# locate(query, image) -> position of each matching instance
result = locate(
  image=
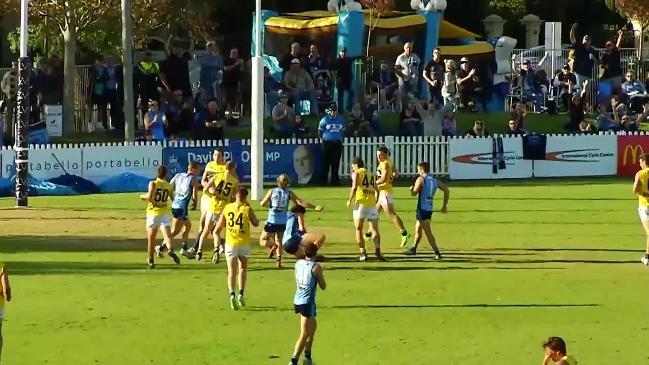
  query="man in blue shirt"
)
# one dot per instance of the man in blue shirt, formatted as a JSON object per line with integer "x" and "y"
{"x": 330, "y": 130}
{"x": 635, "y": 92}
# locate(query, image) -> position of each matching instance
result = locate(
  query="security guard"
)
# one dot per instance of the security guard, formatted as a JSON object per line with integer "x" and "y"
{"x": 330, "y": 130}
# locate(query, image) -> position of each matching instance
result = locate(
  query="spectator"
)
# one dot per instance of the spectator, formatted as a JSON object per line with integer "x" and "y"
{"x": 586, "y": 127}
{"x": 295, "y": 52}
{"x": 155, "y": 122}
{"x": 344, "y": 78}
{"x": 611, "y": 62}
{"x": 283, "y": 118}
{"x": 98, "y": 80}
{"x": 431, "y": 118}
{"x": 174, "y": 72}
{"x": 467, "y": 82}
{"x": 449, "y": 123}
{"x": 271, "y": 88}
{"x": 603, "y": 122}
{"x": 39, "y": 80}
{"x": 54, "y": 94}
{"x": 634, "y": 92}
{"x": 478, "y": 130}
{"x": 585, "y": 57}
{"x": 566, "y": 85}
{"x": 114, "y": 93}
{"x": 624, "y": 118}
{"x": 301, "y": 129}
{"x": 315, "y": 60}
{"x": 9, "y": 86}
{"x": 406, "y": 67}
{"x": 434, "y": 75}
{"x": 410, "y": 120}
{"x": 358, "y": 125}
{"x": 576, "y": 110}
{"x": 245, "y": 86}
{"x": 209, "y": 123}
{"x": 449, "y": 89}
{"x": 147, "y": 80}
{"x": 231, "y": 79}
{"x": 211, "y": 74}
{"x": 330, "y": 130}
{"x": 300, "y": 86}
{"x": 173, "y": 112}
{"x": 513, "y": 129}
{"x": 518, "y": 114}
{"x": 371, "y": 113}
{"x": 386, "y": 82}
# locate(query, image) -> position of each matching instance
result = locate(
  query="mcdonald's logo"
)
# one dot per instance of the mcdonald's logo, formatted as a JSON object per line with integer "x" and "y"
{"x": 636, "y": 151}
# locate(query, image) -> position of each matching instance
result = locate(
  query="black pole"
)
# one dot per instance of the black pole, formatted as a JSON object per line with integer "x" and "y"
{"x": 22, "y": 132}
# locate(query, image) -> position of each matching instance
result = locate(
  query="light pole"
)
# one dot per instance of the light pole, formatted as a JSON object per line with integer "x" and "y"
{"x": 22, "y": 123}
{"x": 257, "y": 112}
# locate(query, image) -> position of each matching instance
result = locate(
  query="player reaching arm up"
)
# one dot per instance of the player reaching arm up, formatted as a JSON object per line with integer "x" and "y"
{"x": 424, "y": 188}
{"x": 641, "y": 188}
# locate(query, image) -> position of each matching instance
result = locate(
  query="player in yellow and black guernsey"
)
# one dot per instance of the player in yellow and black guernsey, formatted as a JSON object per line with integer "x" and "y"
{"x": 158, "y": 214}
{"x": 213, "y": 168}
{"x": 641, "y": 188}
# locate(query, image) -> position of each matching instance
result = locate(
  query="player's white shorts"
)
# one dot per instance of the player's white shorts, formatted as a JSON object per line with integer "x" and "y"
{"x": 385, "y": 198}
{"x": 643, "y": 212}
{"x": 155, "y": 221}
{"x": 210, "y": 216}
{"x": 241, "y": 251}
{"x": 367, "y": 213}
{"x": 206, "y": 204}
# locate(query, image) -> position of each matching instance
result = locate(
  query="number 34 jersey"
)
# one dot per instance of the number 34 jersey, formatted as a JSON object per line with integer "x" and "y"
{"x": 224, "y": 189}
{"x": 159, "y": 202}
{"x": 237, "y": 224}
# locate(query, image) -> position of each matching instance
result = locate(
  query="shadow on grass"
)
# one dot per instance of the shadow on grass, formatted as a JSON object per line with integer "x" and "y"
{"x": 424, "y": 306}
{"x": 25, "y": 244}
{"x": 94, "y": 268}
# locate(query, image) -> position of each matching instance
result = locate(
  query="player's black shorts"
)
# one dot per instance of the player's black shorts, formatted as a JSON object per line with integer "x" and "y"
{"x": 306, "y": 310}
{"x": 274, "y": 228}
{"x": 424, "y": 215}
{"x": 291, "y": 246}
{"x": 180, "y": 213}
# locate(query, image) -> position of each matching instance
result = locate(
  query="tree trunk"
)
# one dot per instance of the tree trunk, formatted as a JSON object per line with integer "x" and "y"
{"x": 70, "y": 75}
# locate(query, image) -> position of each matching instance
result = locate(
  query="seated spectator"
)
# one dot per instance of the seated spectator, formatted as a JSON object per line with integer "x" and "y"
{"x": 467, "y": 83}
{"x": 604, "y": 122}
{"x": 155, "y": 121}
{"x": 371, "y": 112}
{"x": 385, "y": 81}
{"x": 358, "y": 125}
{"x": 478, "y": 130}
{"x": 410, "y": 120}
{"x": 513, "y": 129}
{"x": 272, "y": 88}
{"x": 209, "y": 123}
{"x": 300, "y": 86}
{"x": 565, "y": 84}
{"x": 518, "y": 114}
{"x": 449, "y": 123}
{"x": 577, "y": 113}
{"x": 283, "y": 118}
{"x": 625, "y": 119}
{"x": 296, "y": 52}
{"x": 586, "y": 127}
{"x": 301, "y": 129}
{"x": 315, "y": 60}
{"x": 634, "y": 92}
{"x": 178, "y": 112}
{"x": 531, "y": 90}
{"x": 431, "y": 118}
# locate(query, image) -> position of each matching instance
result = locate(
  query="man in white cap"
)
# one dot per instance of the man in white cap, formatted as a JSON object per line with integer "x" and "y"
{"x": 300, "y": 87}
{"x": 406, "y": 67}
{"x": 467, "y": 83}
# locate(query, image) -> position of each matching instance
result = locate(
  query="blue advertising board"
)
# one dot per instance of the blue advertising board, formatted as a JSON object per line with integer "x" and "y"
{"x": 302, "y": 163}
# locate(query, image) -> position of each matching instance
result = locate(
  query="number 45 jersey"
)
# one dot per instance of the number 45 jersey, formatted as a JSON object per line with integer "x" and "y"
{"x": 224, "y": 189}
{"x": 237, "y": 222}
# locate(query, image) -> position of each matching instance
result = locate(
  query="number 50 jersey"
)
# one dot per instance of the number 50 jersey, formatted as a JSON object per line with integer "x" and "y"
{"x": 159, "y": 201}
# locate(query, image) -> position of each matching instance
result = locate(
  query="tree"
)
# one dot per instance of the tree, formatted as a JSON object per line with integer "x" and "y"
{"x": 638, "y": 12}
{"x": 376, "y": 8}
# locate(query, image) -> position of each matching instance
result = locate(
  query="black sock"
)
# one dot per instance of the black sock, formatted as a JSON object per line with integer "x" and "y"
{"x": 241, "y": 292}
{"x": 185, "y": 246}
{"x": 294, "y": 360}
{"x": 198, "y": 240}
{"x": 307, "y": 354}
{"x": 646, "y": 256}
{"x": 368, "y": 234}
{"x": 404, "y": 233}
{"x": 231, "y": 293}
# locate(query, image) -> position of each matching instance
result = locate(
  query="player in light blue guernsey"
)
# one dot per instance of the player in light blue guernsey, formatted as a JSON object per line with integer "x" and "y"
{"x": 277, "y": 201}
{"x": 295, "y": 240}
{"x": 186, "y": 186}
{"x": 308, "y": 276}
{"x": 425, "y": 187}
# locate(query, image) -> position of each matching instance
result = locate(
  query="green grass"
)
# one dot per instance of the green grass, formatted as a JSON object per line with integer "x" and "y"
{"x": 523, "y": 260}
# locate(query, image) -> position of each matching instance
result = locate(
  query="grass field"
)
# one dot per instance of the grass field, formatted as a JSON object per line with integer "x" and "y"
{"x": 523, "y": 261}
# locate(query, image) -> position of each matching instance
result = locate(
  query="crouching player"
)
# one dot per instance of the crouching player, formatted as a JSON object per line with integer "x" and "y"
{"x": 236, "y": 218}
{"x": 308, "y": 276}
{"x": 425, "y": 187}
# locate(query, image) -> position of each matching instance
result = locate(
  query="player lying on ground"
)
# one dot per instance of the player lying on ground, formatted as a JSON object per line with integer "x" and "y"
{"x": 158, "y": 214}
{"x": 236, "y": 219}
{"x": 308, "y": 275}
{"x": 362, "y": 199}
{"x": 425, "y": 187}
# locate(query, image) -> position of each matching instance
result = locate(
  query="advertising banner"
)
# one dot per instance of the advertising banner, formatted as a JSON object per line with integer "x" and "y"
{"x": 302, "y": 163}
{"x": 46, "y": 163}
{"x": 629, "y": 149}
{"x": 102, "y": 162}
{"x": 473, "y": 158}
{"x": 578, "y": 155}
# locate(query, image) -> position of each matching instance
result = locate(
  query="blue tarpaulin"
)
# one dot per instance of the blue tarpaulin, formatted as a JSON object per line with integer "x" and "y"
{"x": 36, "y": 187}
{"x": 125, "y": 183}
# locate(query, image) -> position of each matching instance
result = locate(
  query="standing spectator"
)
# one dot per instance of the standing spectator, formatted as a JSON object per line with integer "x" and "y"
{"x": 449, "y": 89}
{"x": 271, "y": 88}
{"x": 211, "y": 71}
{"x": 315, "y": 60}
{"x": 478, "y": 130}
{"x": 245, "y": 86}
{"x": 634, "y": 92}
{"x": 431, "y": 118}
{"x": 155, "y": 122}
{"x": 585, "y": 57}
{"x": 39, "y": 80}
{"x": 385, "y": 81}
{"x": 114, "y": 97}
{"x": 611, "y": 63}
{"x": 466, "y": 84}
{"x": 300, "y": 86}
{"x": 9, "y": 86}
{"x": 98, "y": 80}
{"x": 283, "y": 118}
{"x": 330, "y": 130}
{"x": 577, "y": 113}
{"x": 56, "y": 77}
{"x": 295, "y": 52}
{"x": 566, "y": 84}
{"x": 410, "y": 120}
{"x": 174, "y": 72}
{"x": 406, "y": 67}
{"x": 434, "y": 76}
{"x": 513, "y": 129}
{"x": 449, "y": 123}
{"x": 209, "y": 123}
{"x": 344, "y": 78}
{"x": 231, "y": 79}
{"x": 147, "y": 80}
